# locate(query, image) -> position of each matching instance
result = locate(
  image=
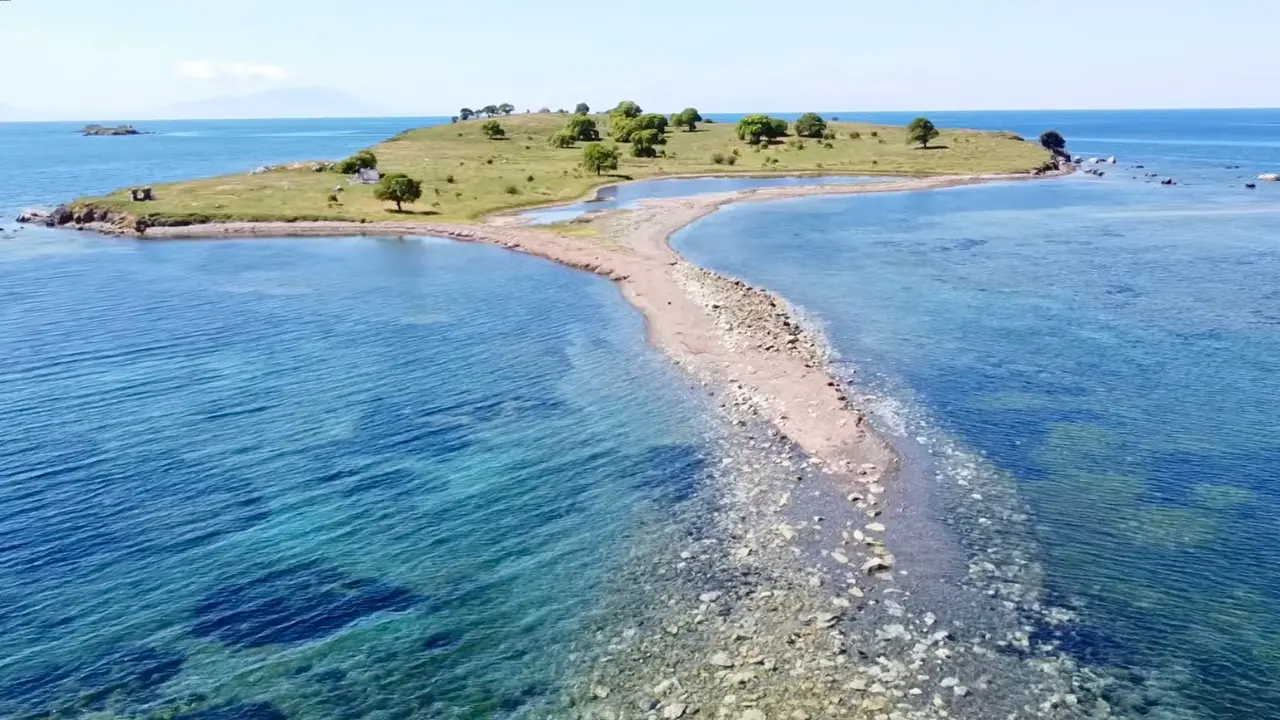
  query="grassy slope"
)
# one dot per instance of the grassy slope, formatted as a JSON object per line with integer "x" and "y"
{"x": 484, "y": 170}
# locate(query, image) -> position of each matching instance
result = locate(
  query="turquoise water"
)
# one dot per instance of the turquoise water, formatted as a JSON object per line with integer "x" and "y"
{"x": 382, "y": 478}
{"x": 1110, "y": 346}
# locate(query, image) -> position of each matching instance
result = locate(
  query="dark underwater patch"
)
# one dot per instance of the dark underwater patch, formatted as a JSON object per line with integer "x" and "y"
{"x": 128, "y": 675}
{"x": 675, "y": 467}
{"x": 294, "y": 604}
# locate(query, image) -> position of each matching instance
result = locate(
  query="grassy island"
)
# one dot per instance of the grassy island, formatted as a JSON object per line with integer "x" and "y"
{"x": 470, "y": 168}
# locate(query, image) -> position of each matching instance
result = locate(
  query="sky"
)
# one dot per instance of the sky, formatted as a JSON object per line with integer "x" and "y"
{"x": 95, "y": 59}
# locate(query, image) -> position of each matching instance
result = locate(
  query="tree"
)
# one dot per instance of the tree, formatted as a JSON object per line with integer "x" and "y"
{"x": 644, "y": 143}
{"x": 811, "y": 125}
{"x": 398, "y": 188}
{"x": 622, "y": 128}
{"x": 490, "y": 110}
{"x": 1053, "y": 141}
{"x": 652, "y": 121}
{"x": 921, "y": 130}
{"x": 687, "y": 119}
{"x": 598, "y": 158}
{"x": 563, "y": 139}
{"x": 492, "y": 130}
{"x": 626, "y": 109}
{"x": 545, "y": 110}
{"x": 582, "y": 109}
{"x": 754, "y": 128}
{"x": 362, "y": 160}
{"x": 466, "y": 113}
{"x": 582, "y": 127}
{"x": 506, "y": 108}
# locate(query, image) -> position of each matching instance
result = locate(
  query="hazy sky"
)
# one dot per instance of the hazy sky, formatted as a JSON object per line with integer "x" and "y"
{"x": 97, "y": 58}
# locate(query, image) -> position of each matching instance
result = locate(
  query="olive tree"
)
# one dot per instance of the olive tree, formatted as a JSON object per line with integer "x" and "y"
{"x": 506, "y": 108}
{"x": 466, "y": 113}
{"x": 582, "y": 109}
{"x": 627, "y": 109}
{"x": 362, "y": 160}
{"x": 644, "y": 143}
{"x": 687, "y": 119}
{"x": 582, "y": 127}
{"x": 597, "y": 158}
{"x": 921, "y": 131}
{"x": 755, "y": 128}
{"x": 398, "y": 188}
{"x": 811, "y": 125}
{"x": 1053, "y": 141}
{"x": 563, "y": 139}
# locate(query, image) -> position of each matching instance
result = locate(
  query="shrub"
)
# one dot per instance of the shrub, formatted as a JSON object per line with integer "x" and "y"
{"x": 811, "y": 125}
{"x": 492, "y": 129}
{"x": 687, "y": 119}
{"x": 398, "y": 188}
{"x": 855, "y": 135}
{"x": 581, "y": 127}
{"x": 449, "y": 179}
{"x": 363, "y": 160}
{"x": 829, "y": 135}
{"x": 598, "y": 158}
{"x": 1053, "y": 141}
{"x": 717, "y": 158}
{"x": 644, "y": 143}
{"x": 731, "y": 160}
{"x": 511, "y": 190}
{"x": 754, "y": 128}
{"x": 563, "y": 139}
{"x": 529, "y": 179}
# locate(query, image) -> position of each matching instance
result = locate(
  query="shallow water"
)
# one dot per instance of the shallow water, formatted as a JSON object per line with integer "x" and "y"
{"x": 1109, "y": 345}
{"x": 308, "y": 478}
{"x": 626, "y": 195}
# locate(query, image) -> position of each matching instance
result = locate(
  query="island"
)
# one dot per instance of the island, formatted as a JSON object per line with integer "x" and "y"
{"x": 104, "y": 131}
{"x": 470, "y": 169}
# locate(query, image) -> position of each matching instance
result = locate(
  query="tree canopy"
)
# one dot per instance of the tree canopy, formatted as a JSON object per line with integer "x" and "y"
{"x": 597, "y": 158}
{"x": 489, "y": 110}
{"x": 563, "y": 139}
{"x": 627, "y": 109}
{"x": 492, "y": 129}
{"x": 687, "y": 119}
{"x": 921, "y": 131}
{"x": 754, "y": 128}
{"x": 1053, "y": 141}
{"x": 582, "y": 109}
{"x": 506, "y": 108}
{"x": 466, "y": 113}
{"x": 644, "y": 143}
{"x": 582, "y": 127}
{"x": 398, "y": 188}
{"x": 811, "y": 125}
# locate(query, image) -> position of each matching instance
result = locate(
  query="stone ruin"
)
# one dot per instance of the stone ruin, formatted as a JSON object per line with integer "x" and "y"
{"x": 142, "y": 194}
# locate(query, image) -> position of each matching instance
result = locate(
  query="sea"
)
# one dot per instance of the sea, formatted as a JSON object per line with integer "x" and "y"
{"x": 391, "y": 478}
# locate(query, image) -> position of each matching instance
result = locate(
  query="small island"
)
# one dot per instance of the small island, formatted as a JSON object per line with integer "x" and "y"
{"x": 489, "y": 161}
{"x": 104, "y": 131}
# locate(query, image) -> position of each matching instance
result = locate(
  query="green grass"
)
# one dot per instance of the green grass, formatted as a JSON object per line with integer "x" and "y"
{"x": 494, "y": 175}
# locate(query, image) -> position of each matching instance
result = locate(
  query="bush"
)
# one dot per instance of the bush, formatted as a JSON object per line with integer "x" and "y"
{"x": 755, "y": 128}
{"x": 511, "y": 190}
{"x": 811, "y": 125}
{"x": 563, "y": 139}
{"x": 581, "y": 127}
{"x": 529, "y": 179}
{"x": 652, "y": 121}
{"x": 731, "y": 160}
{"x": 398, "y": 188}
{"x": 687, "y": 119}
{"x": 449, "y": 179}
{"x": 828, "y": 145}
{"x": 598, "y": 158}
{"x": 492, "y": 130}
{"x": 829, "y": 135}
{"x": 363, "y": 160}
{"x": 718, "y": 158}
{"x": 855, "y": 135}
{"x": 644, "y": 143}
{"x": 875, "y": 133}
{"x": 626, "y": 109}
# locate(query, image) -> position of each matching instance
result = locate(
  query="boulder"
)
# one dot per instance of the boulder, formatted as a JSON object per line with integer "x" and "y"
{"x": 1270, "y": 177}
{"x": 1167, "y": 181}
{"x": 1111, "y": 160}
{"x": 33, "y": 215}
{"x": 61, "y": 215}
{"x": 1251, "y": 186}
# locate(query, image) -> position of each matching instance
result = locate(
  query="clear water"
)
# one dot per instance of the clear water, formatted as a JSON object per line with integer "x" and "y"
{"x": 1110, "y": 344}
{"x": 626, "y": 195}
{"x": 306, "y": 478}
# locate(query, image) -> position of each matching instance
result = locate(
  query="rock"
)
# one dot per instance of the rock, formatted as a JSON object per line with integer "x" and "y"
{"x": 646, "y": 704}
{"x": 1111, "y": 160}
{"x": 752, "y": 714}
{"x": 1269, "y": 177}
{"x": 949, "y": 682}
{"x": 260, "y": 170}
{"x": 722, "y": 659}
{"x": 840, "y": 557}
{"x": 876, "y": 527}
{"x": 32, "y": 215}
{"x": 60, "y": 215}
{"x": 674, "y": 711}
{"x": 877, "y": 564}
{"x": 1167, "y": 181}
{"x": 1251, "y": 186}
{"x": 600, "y": 691}
{"x": 960, "y": 690}
{"x": 101, "y": 131}
{"x": 709, "y": 597}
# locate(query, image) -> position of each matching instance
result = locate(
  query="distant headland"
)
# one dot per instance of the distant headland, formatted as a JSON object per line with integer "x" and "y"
{"x": 105, "y": 131}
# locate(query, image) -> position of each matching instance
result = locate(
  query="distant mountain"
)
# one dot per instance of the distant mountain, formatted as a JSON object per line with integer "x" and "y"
{"x": 299, "y": 102}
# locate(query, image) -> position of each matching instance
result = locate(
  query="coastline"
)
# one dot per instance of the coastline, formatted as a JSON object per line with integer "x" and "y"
{"x": 771, "y": 378}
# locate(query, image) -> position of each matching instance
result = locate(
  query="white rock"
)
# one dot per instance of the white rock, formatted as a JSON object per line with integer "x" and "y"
{"x": 709, "y": 597}
{"x": 722, "y": 659}
{"x": 674, "y": 711}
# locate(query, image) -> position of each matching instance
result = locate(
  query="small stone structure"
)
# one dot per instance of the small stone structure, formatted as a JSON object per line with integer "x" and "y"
{"x": 142, "y": 194}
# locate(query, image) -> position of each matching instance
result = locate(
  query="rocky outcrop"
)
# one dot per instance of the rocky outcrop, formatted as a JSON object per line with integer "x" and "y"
{"x": 103, "y": 131}
{"x": 1270, "y": 177}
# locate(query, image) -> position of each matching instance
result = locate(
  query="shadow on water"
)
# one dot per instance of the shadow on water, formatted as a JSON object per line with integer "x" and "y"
{"x": 127, "y": 676}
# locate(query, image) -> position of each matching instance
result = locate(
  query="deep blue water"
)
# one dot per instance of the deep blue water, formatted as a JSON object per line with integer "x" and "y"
{"x": 1111, "y": 345}
{"x": 308, "y": 479}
